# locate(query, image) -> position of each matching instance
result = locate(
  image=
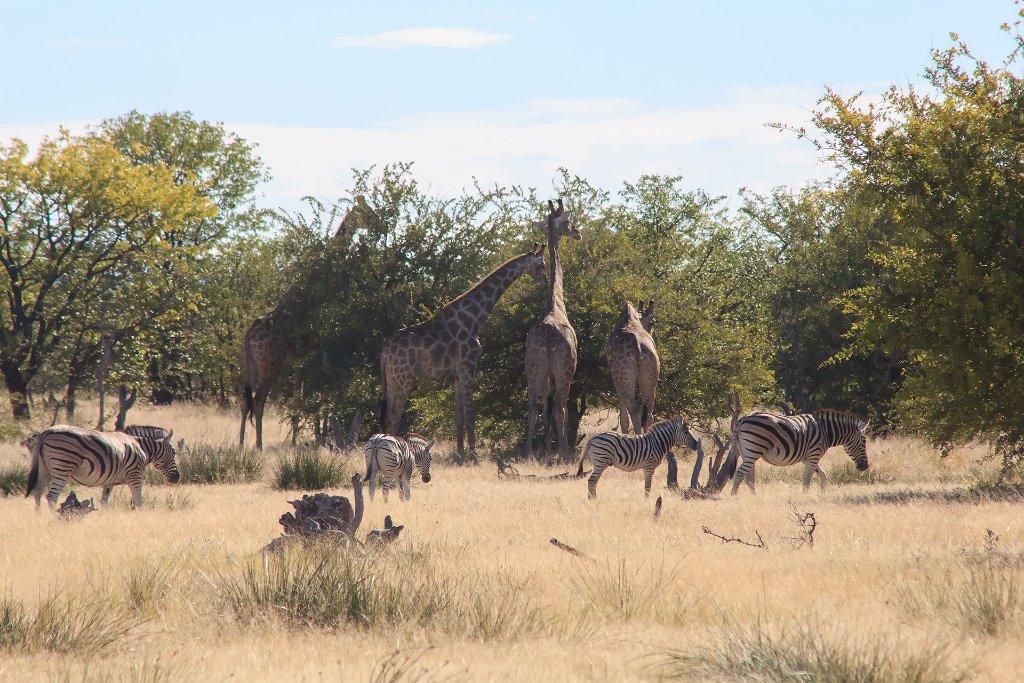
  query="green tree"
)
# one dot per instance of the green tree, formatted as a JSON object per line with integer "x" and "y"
{"x": 945, "y": 168}
{"x": 71, "y": 217}
{"x": 818, "y": 243}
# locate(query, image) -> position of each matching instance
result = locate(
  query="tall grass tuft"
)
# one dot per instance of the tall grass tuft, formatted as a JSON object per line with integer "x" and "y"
{"x": 624, "y": 591}
{"x": 13, "y": 480}
{"x": 983, "y": 599}
{"x": 328, "y": 587}
{"x": 205, "y": 463}
{"x": 63, "y": 624}
{"x": 310, "y": 469}
{"x": 848, "y": 473}
{"x": 807, "y": 652}
{"x": 404, "y": 666}
{"x": 146, "y": 583}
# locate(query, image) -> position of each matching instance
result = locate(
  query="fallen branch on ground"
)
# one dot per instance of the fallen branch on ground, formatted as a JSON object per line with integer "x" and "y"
{"x": 569, "y": 549}
{"x": 732, "y": 539}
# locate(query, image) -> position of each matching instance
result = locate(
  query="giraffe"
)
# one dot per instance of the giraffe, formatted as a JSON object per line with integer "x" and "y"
{"x": 273, "y": 340}
{"x": 446, "y": 346}
{"x": 551, "y": 342}
{"x": 633, "y": 360}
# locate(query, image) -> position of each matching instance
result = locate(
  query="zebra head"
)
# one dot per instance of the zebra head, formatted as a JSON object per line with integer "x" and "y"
{"x": 420, "y": 448}
{"x": 157, "y": 443}
{"x": 856, "y": 445}
{"x": 682, "y": 436}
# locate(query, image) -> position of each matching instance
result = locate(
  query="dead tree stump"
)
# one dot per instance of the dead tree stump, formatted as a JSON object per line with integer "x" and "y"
{"x": 72, "y": 508}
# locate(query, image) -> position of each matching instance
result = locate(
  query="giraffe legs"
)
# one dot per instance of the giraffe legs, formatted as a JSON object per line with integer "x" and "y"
{"x": 259, "y": 403}
{"x": 398, "y": 394}
{"x": 531, "y": 422}
{"x": 466, "y": 383}
{"x": 561, "y": 398}
{"x": 460, "y": 417}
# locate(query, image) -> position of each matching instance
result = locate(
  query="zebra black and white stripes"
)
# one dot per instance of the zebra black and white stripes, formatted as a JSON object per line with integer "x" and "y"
{"x": 393, "y": 458}
{"x": 106, "y": 459}
{"x": 783, "y": 440}
{"x": 631, "y": 452}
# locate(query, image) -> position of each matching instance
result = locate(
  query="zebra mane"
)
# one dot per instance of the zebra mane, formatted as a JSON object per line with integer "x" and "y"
{"x": 842, "y": 415}
{"x": 414, "y": 438}
{"x": 149, "y": 432}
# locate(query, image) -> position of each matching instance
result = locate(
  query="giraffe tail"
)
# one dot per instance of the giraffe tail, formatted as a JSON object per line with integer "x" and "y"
{"x": 250, "y": 404}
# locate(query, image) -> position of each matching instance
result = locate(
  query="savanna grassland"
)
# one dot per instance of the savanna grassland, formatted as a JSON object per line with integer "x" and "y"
{"x": 916, "y": 573}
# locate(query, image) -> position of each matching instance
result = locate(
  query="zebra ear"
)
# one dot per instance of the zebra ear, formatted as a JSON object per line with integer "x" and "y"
{"x": 170, "y": 433}
{"x": 864, "y": 426}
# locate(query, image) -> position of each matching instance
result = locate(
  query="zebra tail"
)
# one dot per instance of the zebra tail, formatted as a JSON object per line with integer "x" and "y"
{"x": 645, "y": 414}
{"x": 371, "y": 469}
{"x": 729, "y": 466}
{"x": 583, "y": 459}
{"x": 33, "y": 474}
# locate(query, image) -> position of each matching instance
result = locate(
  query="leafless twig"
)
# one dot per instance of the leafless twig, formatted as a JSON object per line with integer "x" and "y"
{"x": 807, "y": 523}
{"x": 760, "y": 541}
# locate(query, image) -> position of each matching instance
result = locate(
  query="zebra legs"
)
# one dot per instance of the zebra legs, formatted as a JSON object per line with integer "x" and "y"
{"x": 592, "y": 482}
{"x": 811, "y": 467}
{"x": 648, "y": 476}
{"x": 105, "y": 500}
{"x": 404, "y": 489}
{"x": 745, "y": 473}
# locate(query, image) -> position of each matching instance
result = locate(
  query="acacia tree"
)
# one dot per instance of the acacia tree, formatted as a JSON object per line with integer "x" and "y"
{"x": 946, "y": 170}
{"x": 69, "y": 217}
{"x": 173, "y": 342}
{"x": 817, "y": 242}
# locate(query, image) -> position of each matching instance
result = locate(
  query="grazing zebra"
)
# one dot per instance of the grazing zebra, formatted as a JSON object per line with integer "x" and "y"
{"x": 393, "y": 457}
{"x": 631, "y": 452}
{"x": 782, "y": 440}
{"x": 102, "y": 459}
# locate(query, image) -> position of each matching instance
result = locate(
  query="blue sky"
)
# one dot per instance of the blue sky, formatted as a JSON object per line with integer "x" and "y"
{"x": 505, "y": 92}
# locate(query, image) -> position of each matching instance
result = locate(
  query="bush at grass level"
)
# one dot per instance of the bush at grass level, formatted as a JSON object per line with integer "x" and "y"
{"x": 219, "y": 464}
{"x": 13, "y": 480}
{"x": 310, "y": 469}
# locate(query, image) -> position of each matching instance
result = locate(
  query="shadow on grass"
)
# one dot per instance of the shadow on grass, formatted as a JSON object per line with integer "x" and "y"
{"x": 973, "y": 495}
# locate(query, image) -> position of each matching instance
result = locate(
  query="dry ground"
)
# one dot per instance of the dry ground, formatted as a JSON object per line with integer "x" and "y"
{"x": 900, "y": 576}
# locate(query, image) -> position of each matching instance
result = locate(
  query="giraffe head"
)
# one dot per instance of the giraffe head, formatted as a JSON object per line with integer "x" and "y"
{"x": 534, "y": 264}
{"x": 559, "y": 222}
{"x": 647, "y": 318}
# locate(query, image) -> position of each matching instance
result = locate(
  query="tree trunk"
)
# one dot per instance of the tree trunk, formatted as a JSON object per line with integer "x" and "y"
{"x": 101, "y": 378}
{"x": 69, "y": 399}
{"x": 17, "y": 390}
{"x": 125, "y": 401}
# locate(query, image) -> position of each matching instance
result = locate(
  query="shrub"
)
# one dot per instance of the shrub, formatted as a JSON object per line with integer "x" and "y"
{"x": 310, "y": 469}
{"x": 807, "y": 652}
{"x": 13, "y": 480}
{"x": 220, "y": 464}
{"x": 62, "y": 624}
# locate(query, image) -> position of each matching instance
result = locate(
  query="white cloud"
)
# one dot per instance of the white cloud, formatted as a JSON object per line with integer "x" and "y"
{"x": 719, "y": 148}
{"x": 459, "y": 38}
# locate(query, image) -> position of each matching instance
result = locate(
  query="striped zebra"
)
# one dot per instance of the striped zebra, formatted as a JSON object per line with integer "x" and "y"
{"x": 631, "y": 452}
{"x": 393, "y": 458}
{"x": 102, "y": 459}
{"x": 782, "y": 440}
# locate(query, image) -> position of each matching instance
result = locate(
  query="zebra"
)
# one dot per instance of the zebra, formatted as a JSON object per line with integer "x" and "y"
{"x": 393, "y": 457}
{"x": 102, "y": 459}
{"x": 782, "y": 440}
{"x": 631, "y": 452}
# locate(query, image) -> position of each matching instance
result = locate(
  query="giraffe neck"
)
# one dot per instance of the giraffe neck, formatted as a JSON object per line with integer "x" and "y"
{"x": 556, "y": 294}
{"x": 472, "y": 308}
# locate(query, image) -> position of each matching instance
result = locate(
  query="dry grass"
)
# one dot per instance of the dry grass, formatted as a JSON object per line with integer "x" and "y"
{"x": 900, "y": 584}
